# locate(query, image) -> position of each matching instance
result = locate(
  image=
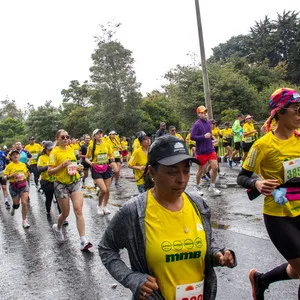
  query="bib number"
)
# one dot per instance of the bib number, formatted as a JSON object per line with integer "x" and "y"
{"x": 291, "y": 169}
{"x": 72, "y": 168}
{"x": 249, "y": 139}
{"x": 102, "y": 159}
{"x": 190, "y": 291}
{"x": 116, "y": 153}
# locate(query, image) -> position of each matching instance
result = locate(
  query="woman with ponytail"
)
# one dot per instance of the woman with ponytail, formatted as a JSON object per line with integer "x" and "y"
{"x": 275, "y": 157}
{"x": 98, "y": 156}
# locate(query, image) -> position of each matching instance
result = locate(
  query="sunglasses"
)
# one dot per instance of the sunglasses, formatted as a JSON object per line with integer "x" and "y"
{"x": 295, "y": 109}
{"x": 64, "y": 137}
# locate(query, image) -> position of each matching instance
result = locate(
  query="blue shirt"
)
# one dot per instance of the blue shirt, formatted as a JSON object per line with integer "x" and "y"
{"x": 2, "y": 161}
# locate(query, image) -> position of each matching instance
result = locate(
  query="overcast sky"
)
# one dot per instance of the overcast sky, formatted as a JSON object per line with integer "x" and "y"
{"x": 46, "y": 44}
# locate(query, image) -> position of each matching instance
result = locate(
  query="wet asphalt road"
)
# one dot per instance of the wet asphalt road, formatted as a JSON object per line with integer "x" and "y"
{"x": 34, "y": 266}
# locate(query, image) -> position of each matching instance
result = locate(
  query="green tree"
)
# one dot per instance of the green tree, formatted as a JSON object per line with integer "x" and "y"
{"x": 9, "y": 109}
{"x": 113, "y": 77}
{"x": 43, "y": 122}
{"x": 11, "y": 128}
{"x": 77, "y": 93}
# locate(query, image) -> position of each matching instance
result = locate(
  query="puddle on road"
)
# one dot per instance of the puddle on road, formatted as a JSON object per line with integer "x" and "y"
{"x": 219, "y": 226}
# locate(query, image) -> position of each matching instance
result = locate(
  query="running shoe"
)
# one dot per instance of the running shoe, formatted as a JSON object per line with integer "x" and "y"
{"x": 214, "y": 191}
{"x": 58, "y": 234}
{"x": 7, "y": 205}
{"x": 85, "y": 245}
{"x": 100, "y": 211}
{"x": 229, "y": 163}
{"x": 222, "y": 174}
{"x": 205, "y": 179}
{"x": 258, "y": 287}
{"x": 197, "y": 188}
{"x": 106, "y": 211}
{"x": 25, "y": 224}
{"x": 66, "y": 223}
{"x": 117, "y": 185}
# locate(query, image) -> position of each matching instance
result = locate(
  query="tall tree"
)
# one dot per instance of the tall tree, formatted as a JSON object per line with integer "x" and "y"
{"x": 113, "y": 75}
{"x": 9, "y": 109}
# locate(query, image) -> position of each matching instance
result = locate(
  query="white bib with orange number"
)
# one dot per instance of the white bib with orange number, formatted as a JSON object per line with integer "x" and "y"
{"x": 190, "y": 291}
{"x": 291, "y": 169}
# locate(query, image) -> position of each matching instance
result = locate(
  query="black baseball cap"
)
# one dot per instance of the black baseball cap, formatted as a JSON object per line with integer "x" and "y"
{"x": 141, "y": 135}
{"x": 14, "y": 151}
{"x": 169, "y": 150}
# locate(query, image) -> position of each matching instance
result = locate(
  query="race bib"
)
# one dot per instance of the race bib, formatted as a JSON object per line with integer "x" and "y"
{"x": 102, "y": 159}
{"x": 72, "y": 168}
{"x": 190, "y": 291}
{"x": 76, "y": 152}
{"x": 19, "y": 177}
{"x": 34, "y": 156}
{"x": 248, "y": 139}
{"x": 116, "y": 153}
{"x": 291, "y": 169}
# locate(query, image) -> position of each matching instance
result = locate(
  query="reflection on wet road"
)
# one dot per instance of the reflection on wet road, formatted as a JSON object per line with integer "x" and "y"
{"x": 34, "y": 266}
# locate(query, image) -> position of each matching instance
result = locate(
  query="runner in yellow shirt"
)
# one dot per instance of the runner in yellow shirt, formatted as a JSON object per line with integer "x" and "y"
{"x": 138, "y": 160}
{"x": 75, "y": 146}
{"x": 249, "y": 136}
{"x": 124, "y": 152}
{"x": 47, "y": 181}
{"x": 16, "y": 172}
{"x": 114, "y": 141}
{"x": 191, "y": 144}
{"x": 98, "y": 156}
{"x": 172, "y": 131}
{"x": 67, "y": 185}
{"x": 227, "y": 142}
{"x": 34, "y": 149}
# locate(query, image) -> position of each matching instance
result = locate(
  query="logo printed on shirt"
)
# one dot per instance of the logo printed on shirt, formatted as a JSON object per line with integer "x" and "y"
{"x": 199, "y": 227}
{"x": 252, "y": 157}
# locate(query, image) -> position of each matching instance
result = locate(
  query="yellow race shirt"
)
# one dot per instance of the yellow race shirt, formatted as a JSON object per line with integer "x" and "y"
{"x": 189, "y": 141}
{"x": 102, "y": 153}
{"x": 19, "y": 168}
{"x": 68, "y": 174}
{"x": 115, "y": 145}
{"x": 266, "y": 158}
{"x": 227, "y": 134}
{"x": 76, "y": 148}
{"x": 247, "y": 127}
{"x": 136, "y": 144}
{"x": 124, "y": 145}
{"x": 42, "y": 162}
{"x": 175, "y": 245}
{"x": 138, "y": 158}
{"x": 216, "y": 132}
{"x": 34, "y": 150}
{"x": 179, "y": 136}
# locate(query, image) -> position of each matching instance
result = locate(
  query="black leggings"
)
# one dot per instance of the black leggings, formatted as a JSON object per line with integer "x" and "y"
{"x": 284, "y": 232}
{"x": 48, "y": 189}
{"x": 36, "y": 175}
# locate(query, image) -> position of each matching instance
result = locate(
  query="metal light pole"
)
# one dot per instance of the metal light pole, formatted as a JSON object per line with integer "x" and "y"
{"x": 203, "y": 63}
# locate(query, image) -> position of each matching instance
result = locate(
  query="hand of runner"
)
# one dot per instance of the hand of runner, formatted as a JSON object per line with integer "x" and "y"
{"x": 266, "y": 187}
{"x": 148, "y": 287}
{"x": 207, "y": 135}
{"x": 66, "y": 163}
{"x": 226, "y": 259}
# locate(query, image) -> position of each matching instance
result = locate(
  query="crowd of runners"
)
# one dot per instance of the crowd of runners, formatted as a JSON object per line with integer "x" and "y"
{"x": 60, "y": 167}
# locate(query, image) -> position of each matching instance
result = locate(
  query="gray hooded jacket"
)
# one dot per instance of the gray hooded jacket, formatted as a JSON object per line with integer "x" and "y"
{"x": 127, "y": 230}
